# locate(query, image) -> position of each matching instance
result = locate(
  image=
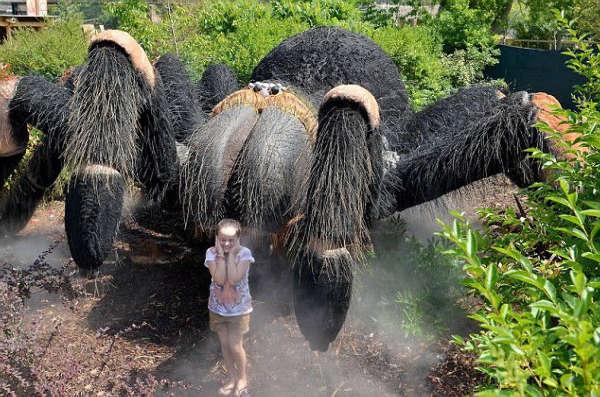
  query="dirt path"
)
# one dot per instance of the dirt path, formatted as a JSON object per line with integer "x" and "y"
{"x": 145, "y": 313}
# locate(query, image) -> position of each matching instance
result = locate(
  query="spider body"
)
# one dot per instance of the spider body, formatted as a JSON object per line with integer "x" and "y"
{"x": 317, "y": 149}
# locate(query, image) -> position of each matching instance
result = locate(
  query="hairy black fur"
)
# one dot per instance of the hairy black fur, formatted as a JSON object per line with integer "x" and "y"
{"x": 321, "y": 58}
{"x": 104, "y": 112}
{"x": 269, "y": 170}
{"x": 41, "y": 104}
{"x": 44, "y": 106}
{"x": 8, "y": 166}
{"x": 216, "y": 83}
{"x": 92, "y": 212}
{"x": 157, "y": 163}
{"x": 183, "y": 105}
{"x": 19, "y": 201}
{"x": 322, "y": 299}
{"x": 213, "y": 149}
{"x": 342, "y": 182}
{"x": 467, "y": 137}
{"x": 341, "y": 190}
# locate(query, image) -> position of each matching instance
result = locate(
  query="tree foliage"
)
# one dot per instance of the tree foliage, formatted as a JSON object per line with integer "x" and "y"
{"x": 433, "y": 59}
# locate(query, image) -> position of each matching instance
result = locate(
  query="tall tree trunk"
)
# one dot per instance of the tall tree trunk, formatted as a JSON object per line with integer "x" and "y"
{"x": 501, "y": 18}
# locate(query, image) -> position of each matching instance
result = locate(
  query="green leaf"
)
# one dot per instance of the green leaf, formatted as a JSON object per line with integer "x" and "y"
{"x": 471, "y": 244}
{"x": 592, "y": 256}
{"x": 593, "y": 204}
{"x": 595, "y": 231}
{"x": 491, "y": 276}
{"x": 597, "y": 336}
{"x": 516, "y": 255}
{"x": 545, "y": 364}
{"x": 570, "y": 218}
{"x": 578, "y": 279}
{"x": 528, "y": 278}
{"x": 594, "y": 283}
{"x": 517, "y": 349}
{"x": 559, "y": 200}
{"x": 573, "y": 232}
{"x": 564, "y": 185}
{"x": 459, "y": 340}
{"x": 546, "y": 306}
{"x": 594, "y": 213}
{"x": 550, "y": 290}
{"x": 566, "y": 381}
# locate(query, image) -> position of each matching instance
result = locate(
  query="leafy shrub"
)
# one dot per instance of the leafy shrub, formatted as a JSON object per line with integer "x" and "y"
{"x": 47, "y": 52}
{"x": 400, "y": 289}
{"x": 539, "y": 272}
{"x": 461, "y": 26}
{"x": 419, "y": 58}
{"x": 241, "y": 32}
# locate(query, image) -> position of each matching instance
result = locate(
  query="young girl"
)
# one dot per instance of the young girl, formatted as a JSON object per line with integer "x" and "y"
{"x": 230, "y": 302}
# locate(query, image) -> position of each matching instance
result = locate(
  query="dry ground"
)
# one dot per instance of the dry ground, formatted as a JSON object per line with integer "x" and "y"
{"x": 145, "y": 313}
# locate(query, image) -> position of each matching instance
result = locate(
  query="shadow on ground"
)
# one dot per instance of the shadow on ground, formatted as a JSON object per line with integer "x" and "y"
{"x": 149, "y": 301}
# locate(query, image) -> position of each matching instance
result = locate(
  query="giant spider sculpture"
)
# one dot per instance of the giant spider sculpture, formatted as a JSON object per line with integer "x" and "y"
{"x": 321, "y": 146}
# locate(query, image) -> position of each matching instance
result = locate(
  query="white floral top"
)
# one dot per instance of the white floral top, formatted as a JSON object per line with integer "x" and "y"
{"x": 243, "y": 305}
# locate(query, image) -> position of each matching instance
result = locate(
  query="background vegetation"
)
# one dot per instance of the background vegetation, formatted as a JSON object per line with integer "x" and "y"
{"x": 538, "y": 271}
{"x": 435, "y": 57}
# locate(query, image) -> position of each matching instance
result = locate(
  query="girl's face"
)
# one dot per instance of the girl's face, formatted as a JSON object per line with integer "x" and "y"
{"x": 228, "y": 239}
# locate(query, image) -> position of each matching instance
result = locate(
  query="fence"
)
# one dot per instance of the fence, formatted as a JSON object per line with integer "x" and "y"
{"x": 536, "y": 70}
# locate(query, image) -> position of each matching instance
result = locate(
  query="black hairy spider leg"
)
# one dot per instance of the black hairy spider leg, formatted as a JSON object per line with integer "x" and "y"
{"x": 333, "y": 232}
{"x": 119, "y": 131}
{"x": 42, "y": 105}
{"x": 179, "y": 94}
{"x": 470, "y": 136}
{"x": 92, "y": 213}
{"x": 217, "y": 82}
{"x": 157, "y": 166}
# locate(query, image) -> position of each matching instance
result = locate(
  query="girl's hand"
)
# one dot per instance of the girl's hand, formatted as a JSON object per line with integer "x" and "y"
{"x": 218, "y": 247}
{"x": 235, "y": 249}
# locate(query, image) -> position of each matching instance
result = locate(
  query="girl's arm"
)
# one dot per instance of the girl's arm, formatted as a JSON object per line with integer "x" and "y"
{"x": 218, "y": 266}
{"x": 217, "y": 270}
{"x": 236, "y": 270}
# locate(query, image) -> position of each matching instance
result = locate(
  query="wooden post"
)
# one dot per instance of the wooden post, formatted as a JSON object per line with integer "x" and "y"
{"x": 37, "y": 7}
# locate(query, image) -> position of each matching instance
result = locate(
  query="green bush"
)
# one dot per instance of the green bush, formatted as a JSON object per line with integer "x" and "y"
{"x": 539, "y": 271}
{"x": 419, "y": 58}
{"x": 240, "y": 33}
{"x": 400, "y": 290}
{"x": 47, "y": 52}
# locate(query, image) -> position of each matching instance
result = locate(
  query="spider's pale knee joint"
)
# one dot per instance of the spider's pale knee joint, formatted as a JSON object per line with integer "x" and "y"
{"x": 360, "y": 96}
{"x": 132, "y": 48}
{"x": 98, "y": 169}
{"x": 10, "y": 143}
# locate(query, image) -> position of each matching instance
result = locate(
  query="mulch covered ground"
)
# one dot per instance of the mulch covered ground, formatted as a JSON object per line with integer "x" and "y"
{"x": 145, "y": 313}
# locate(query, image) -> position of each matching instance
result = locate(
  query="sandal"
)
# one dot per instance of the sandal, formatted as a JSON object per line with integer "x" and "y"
{"x": 226, "y": 390}
{"x": 243, "y": 392}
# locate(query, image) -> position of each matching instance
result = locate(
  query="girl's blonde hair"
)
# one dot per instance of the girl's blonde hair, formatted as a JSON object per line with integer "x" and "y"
{"x": 227, "y": 222}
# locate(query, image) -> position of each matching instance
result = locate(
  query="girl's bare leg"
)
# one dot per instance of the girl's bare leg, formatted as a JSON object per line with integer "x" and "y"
{"x": 227, "y": 359}
{"x": 236, "y": 345}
